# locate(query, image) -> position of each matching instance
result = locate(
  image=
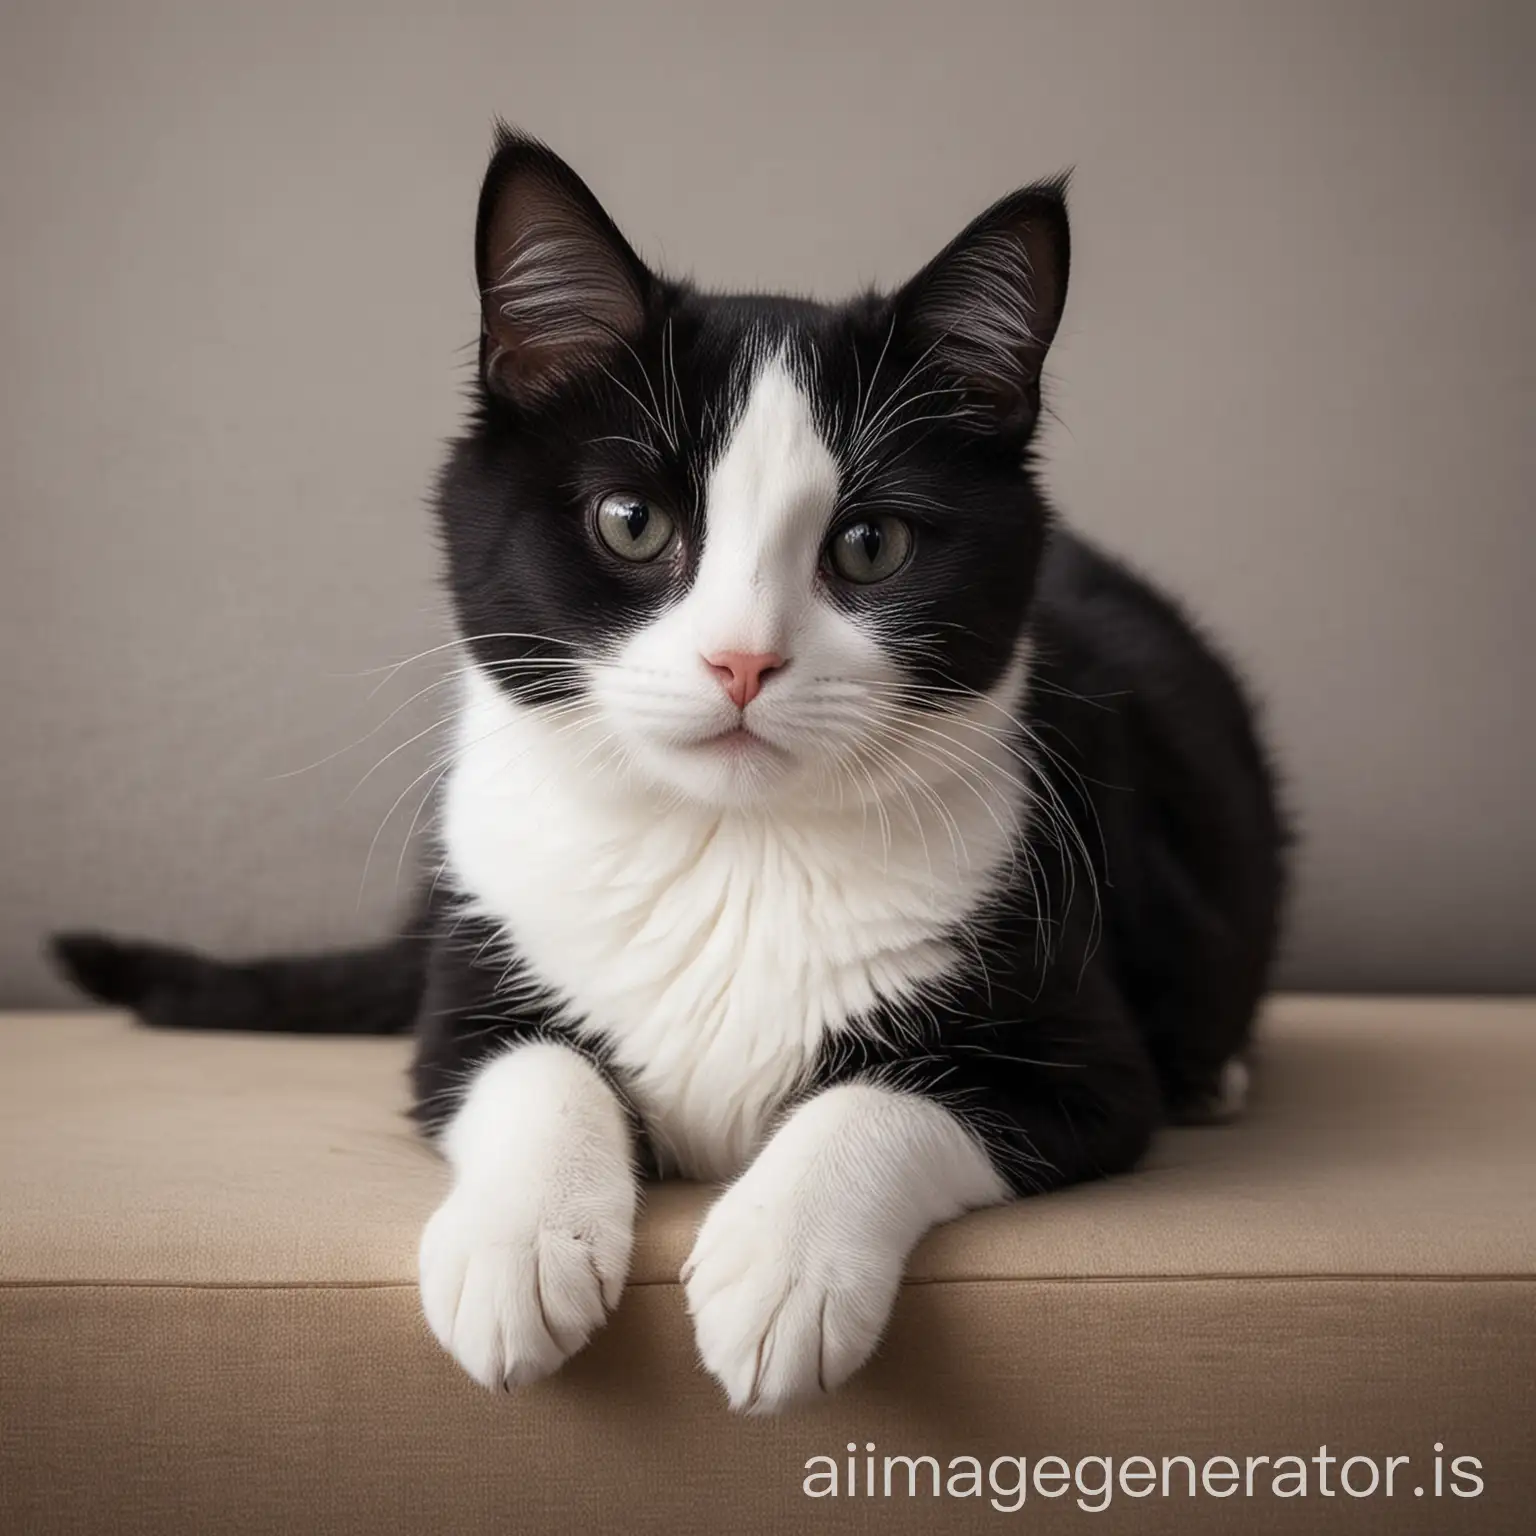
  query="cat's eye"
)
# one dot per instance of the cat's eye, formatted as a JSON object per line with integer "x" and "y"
{"x": 870, "y": 549}
{"x": 633, "y": 528}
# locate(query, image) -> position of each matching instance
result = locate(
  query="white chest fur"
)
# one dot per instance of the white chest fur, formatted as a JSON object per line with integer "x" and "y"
{"x": 712, "y": 951}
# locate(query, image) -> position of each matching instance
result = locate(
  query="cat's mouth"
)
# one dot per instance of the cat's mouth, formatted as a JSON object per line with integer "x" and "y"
{"x": 738, "y": 741}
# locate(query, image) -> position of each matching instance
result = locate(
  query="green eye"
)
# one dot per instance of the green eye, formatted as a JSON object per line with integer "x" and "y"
{"x": 870, "y": 549}
{"x": 632, "y": 528}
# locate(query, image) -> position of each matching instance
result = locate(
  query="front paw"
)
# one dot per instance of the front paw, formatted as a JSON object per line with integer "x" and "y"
{"x": 514, "y": 1283}
{"x": 786, "y": 1305}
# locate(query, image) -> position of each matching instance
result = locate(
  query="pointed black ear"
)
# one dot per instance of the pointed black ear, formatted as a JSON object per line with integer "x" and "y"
{"x": 560, "y": 287}
{"x": 987, "y": 306}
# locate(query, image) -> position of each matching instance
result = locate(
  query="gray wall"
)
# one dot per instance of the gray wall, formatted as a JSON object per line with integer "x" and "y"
{"x": 1295, "y": 382}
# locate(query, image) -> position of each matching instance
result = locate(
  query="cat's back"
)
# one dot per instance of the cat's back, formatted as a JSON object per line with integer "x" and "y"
{"x": 1159, "y": 751}
{"x": 1111, "y": 643}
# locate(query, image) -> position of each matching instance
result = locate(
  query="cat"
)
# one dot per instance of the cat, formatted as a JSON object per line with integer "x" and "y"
{"x": 825, "y": 819}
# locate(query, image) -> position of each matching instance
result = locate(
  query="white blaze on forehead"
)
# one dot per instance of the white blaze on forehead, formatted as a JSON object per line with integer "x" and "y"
{"x": 766, "y": 509}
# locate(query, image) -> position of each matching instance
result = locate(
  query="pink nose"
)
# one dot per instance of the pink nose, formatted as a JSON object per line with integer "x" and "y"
{"x": 741, "y": 673}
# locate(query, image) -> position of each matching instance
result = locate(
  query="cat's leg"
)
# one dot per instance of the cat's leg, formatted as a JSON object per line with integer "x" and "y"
{"x": 793, "y": 1275}
{"x": 529, "y": 1252}
{"x": 795, "y": 1269}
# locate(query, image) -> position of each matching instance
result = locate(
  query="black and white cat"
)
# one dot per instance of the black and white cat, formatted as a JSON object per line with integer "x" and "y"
{"x": 824, "y": 821}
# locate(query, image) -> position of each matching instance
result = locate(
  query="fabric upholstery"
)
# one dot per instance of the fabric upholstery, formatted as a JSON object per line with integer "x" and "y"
{"x": 208, "y": 1319}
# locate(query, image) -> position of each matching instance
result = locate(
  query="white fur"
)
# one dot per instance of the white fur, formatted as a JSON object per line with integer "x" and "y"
{"x": 714, "y": 945}
{"x": 712, "y": 950}
{"x": 768, "y": 502}
{"x": 713, "y": 916}
{"x": 1232, "y": 1093}
{"x": 530, "y": 1250}
{"x": 794, "y": 1272}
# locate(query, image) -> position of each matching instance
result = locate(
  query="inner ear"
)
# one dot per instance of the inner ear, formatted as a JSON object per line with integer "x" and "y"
{"x": 986, "y": 308}
{"x": 560, "y": 287}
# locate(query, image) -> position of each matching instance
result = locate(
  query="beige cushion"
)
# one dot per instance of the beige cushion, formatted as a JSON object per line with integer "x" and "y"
{"x": 208, "y": 1319}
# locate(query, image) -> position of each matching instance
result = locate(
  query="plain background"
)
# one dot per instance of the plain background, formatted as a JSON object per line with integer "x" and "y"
{"x": 1295, "y": 382}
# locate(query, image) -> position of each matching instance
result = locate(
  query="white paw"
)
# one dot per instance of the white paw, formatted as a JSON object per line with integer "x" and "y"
{"x": 1232, "y": 1094}
{"x": 514, "y": 1282}
{"x": 785, "y": 1306}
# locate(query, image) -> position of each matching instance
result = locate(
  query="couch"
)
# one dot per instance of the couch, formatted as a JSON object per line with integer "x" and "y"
{"x": 208, "y": 1318}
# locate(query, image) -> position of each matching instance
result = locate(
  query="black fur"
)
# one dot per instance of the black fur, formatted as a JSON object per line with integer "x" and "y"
{"x": 370, "y": 991}
{"x": 1085, "y": 1020}
{"x": 1069, "y": 1047}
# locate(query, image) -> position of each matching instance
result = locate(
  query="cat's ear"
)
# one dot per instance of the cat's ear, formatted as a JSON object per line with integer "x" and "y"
{"x": 986, "y": 308}
{"x": 560, "y": 287}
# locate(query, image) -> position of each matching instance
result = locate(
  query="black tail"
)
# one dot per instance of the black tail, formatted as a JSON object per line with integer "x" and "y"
{"x": 350, "y": 992}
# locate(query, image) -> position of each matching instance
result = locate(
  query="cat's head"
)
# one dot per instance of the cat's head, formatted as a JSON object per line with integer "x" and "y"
{"x": 752, "y": 547}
